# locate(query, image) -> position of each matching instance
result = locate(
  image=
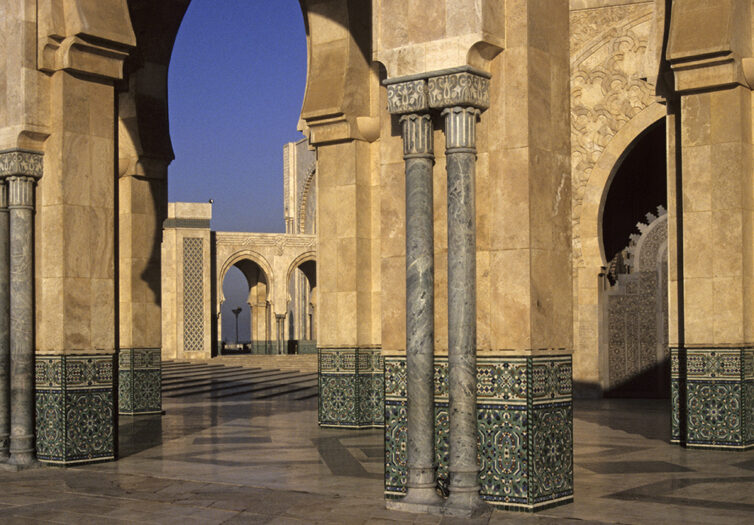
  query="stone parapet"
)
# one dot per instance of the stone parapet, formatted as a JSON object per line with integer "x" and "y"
{"x": 75, "y": 408}
{"x": 350, "y": 387}
{"x": 525, "y": 422}
{"x": 712, "y": 397}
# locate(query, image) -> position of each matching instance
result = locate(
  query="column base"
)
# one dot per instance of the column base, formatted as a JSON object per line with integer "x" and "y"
{"x": 525, "y": 422}
{"x": 75, "y": 420}
{"x": 350, "y": 388}
{"x": 139, "y": 381}
{"x": 13, "y": 467}
{"x": 466, "y": 505}
{"x": 712, "y": 397}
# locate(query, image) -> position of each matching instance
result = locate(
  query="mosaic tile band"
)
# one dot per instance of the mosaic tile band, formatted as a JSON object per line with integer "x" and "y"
{"x": 525, "y": 424}
{"x": 75, "y": 416}
{"x": 350, "y": 387}
{"x": 139, "y": 381}
{"x": 712, "y": 397}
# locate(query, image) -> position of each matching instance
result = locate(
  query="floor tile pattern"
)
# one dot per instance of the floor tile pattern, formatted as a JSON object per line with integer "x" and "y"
{"x": 242, "y": 459}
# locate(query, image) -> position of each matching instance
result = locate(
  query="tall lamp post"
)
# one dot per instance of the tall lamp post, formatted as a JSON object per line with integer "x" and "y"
{"x": 236, "y": 311}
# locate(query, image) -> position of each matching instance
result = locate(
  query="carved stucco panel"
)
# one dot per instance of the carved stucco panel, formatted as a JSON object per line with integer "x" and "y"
{"x": 606, "y": 88}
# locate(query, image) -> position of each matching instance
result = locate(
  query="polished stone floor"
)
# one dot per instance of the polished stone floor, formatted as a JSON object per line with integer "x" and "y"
{"x": 259, "y": 457}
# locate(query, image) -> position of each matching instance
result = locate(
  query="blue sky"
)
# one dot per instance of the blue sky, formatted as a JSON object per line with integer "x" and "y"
{"x": 236, "y": 83}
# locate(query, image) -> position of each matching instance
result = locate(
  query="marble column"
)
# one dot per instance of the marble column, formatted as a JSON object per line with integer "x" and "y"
{"x": 4, "y": 324}
{"x": 280, "y": 327}
{"x": 419, "y": 158}
{"x": 460, "y": 153}
{"x": 21, "y": 206}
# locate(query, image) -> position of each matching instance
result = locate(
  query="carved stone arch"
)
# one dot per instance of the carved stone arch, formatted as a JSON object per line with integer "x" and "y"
{"x": 305, "y": 196}
{"x": 298, "y": 261}
{"x": 242, "y": 255}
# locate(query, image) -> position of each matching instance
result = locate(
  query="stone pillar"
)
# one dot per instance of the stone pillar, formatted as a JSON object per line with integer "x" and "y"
{"x": 711, "y": 227}
{"x": 419, "y": 157}
{"x": 460, "y": 127}
{"x": 142, "y": 208}
{"x": 21, "y": 206}
{"x": 4, "y": 324}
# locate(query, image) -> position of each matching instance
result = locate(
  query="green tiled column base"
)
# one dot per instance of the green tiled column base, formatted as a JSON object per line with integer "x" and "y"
{"x": 350, "y": 387}
{"x": 712, "y": 396}
{"x": 75, "y": 419}
{"x": 139, "y": 381}
{"x": 525, "y": 422}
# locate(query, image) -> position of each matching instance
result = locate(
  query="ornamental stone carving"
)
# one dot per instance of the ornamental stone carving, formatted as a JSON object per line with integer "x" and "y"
{"x": 21, "y": 162}
{"x": 465, "y": 88}
{"x": 606, "y": 93}
{"x": 407, "y": 97}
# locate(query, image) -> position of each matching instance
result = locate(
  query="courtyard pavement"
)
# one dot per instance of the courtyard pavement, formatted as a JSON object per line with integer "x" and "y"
{"x": 242, "y": 459}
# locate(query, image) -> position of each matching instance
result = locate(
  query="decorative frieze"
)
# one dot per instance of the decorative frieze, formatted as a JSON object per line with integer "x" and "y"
{"x": 525, "y": 429}
{"x": 75, "y": 413}
{"x": 139, "y": 381}
{"x": 350, "y": 387}
{"x": 712, "y": 397}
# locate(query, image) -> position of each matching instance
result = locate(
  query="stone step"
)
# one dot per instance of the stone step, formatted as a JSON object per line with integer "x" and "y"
{"x": 250, "y": 377}
{"x": 262, "y": 388}
{"x": 280, "y": 378}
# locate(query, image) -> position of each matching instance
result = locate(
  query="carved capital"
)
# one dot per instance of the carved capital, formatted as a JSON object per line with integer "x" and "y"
{"x": 21, "y": 162}
{"x": 21, "y": 191}
{"x": 417, "y": 136}
{"x": 465, "y": 88}
{"x": 460, "y": 128}
{"x": 407, "y": 97}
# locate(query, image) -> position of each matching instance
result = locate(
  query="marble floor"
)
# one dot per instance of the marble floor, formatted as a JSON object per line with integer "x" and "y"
{"x": 259, "y": 457}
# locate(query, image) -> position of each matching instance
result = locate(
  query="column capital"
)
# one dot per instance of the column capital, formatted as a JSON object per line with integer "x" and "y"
{"x": 408, "y": 96}
{"x": 463, "y": 88}
{"x": 21, "y": 162}
{"x": 21, "y": 191}
{"x": 417, "y": 136}
{"x": 460, "y": 128}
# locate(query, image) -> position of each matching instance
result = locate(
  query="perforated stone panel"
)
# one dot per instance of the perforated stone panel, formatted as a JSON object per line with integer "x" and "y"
{"x": 193, "y": 294}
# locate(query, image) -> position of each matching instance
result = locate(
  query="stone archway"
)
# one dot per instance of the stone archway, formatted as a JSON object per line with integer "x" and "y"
{"x": 252, "y": 266}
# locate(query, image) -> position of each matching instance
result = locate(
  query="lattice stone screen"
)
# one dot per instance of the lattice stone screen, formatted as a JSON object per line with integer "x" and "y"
{"x": 193, "y": 295}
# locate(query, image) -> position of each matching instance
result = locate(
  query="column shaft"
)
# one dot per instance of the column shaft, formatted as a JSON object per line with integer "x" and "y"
{"x": 460, "y": 124}
{"x": 419, "y": 157}
{"x": 280, "y": 318}
{"x": 4, "y": 323}
{"x": 21, "y": 206}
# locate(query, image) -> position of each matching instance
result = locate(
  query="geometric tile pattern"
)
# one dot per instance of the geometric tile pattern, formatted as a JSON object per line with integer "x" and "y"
{"x": 350, "y": 387}
{"x": 75, "y": 417}
{"x": 711, "y": 397}
{"x": 193, "y": 294}
{"x": 525, "y": 429}
{"x": 139, "y": 381}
